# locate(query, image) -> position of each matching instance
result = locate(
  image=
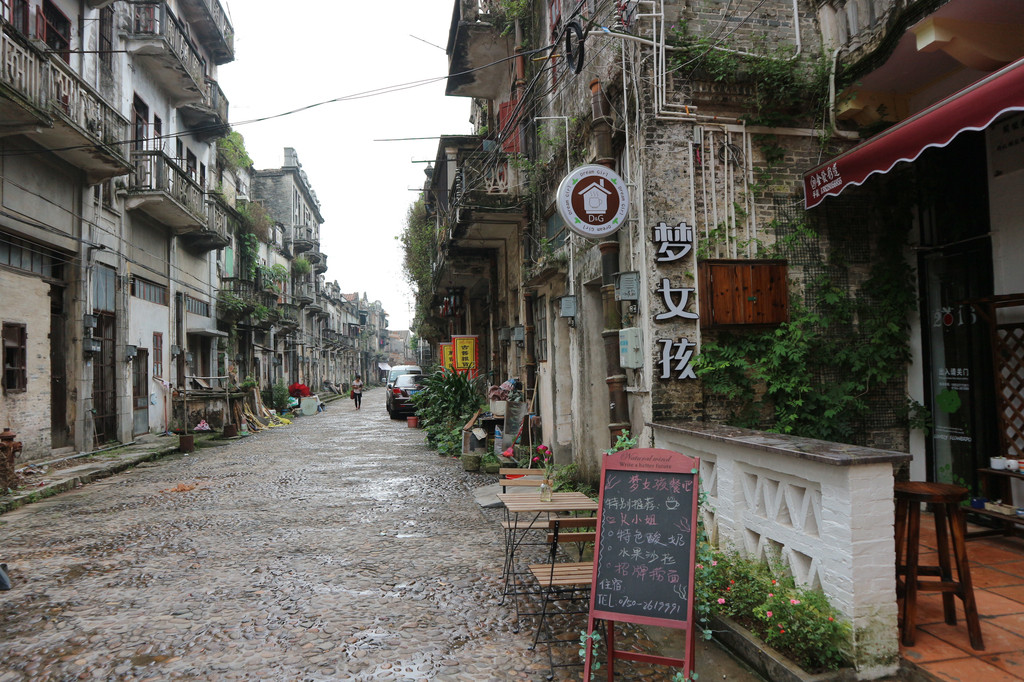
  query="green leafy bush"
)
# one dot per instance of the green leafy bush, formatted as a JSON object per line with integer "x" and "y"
{"x": 797, "y": 621}
{"x": 445, "y": 404}
{"x": 276, "y": 397}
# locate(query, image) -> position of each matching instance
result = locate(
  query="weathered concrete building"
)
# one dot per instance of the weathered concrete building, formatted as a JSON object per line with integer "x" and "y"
{"x": 108, "y": 128}
{"x": 720, "y": 297}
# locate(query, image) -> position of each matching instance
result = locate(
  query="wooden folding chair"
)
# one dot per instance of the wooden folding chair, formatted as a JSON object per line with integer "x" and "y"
{"x": 563, "y": 580}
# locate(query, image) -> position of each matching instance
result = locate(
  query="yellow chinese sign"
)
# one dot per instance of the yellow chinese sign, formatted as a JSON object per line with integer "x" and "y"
{"x": 447, "y": 359}
{"x": 466, "y": 353}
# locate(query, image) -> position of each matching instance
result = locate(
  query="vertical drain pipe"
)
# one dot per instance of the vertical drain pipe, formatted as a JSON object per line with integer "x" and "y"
{"x": 618, "y": 407}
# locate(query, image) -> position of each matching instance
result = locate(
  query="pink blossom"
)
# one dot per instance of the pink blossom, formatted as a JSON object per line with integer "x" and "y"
{"x": 699, "y": 566}
{"x": 770, "y": 595}
{"x": 714, "y": 563}
{"x": 794, "y": 601}
{"x": 721, "y": 600}
{"x": 768, "y": 613}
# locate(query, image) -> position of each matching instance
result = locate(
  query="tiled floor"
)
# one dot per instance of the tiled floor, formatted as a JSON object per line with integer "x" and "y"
{"x": 944, "y": 651}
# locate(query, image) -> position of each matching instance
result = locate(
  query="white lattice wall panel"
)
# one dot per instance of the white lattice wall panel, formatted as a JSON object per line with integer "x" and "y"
{"x": 824, "y": 510}
{"x": 781, "y": 519}
{"x": 709, "y": 485}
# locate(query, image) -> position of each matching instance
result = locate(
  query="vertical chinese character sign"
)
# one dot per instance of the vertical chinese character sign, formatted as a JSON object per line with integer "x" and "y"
{"x": 674, "y": 242}
{"x": 645, "y": 548}
{"x": 447, "y": 355}
{"x": 466, "y": 354}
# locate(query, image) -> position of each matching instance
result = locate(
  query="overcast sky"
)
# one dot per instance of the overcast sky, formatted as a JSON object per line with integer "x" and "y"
{"x": 307, "y": 51}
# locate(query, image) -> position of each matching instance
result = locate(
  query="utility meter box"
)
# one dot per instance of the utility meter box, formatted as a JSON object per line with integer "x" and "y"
{"x": 630, "y": 353}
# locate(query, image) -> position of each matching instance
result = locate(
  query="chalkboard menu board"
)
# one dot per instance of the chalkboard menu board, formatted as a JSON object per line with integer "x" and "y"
{"x": 646, "y": 532}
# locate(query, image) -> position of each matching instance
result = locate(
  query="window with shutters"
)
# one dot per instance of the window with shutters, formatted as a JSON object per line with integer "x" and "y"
{"x": 743, "y": 292}
{"x": 508, "y": 126}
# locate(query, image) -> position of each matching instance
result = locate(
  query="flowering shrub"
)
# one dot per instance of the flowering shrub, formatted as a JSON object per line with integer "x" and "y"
{"x": 298, "y": 390}
{"x": 795, "y": 620}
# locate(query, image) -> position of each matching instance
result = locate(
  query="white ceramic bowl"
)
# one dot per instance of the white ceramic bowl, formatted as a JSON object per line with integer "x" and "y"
{"x": 997, "y": 462}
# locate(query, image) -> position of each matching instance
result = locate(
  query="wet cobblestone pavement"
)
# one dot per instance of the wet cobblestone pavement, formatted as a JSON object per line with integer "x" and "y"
{"x": 337, "y": 548}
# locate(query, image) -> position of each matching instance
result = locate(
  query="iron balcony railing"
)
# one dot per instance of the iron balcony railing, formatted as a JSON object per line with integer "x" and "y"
{"x": 155, "y": 20}
{"x": 155, "y": 172}
{"x": 218, "y": 19}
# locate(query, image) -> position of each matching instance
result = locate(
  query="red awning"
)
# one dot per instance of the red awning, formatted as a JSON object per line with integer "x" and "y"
{"x": 972, "y": 108}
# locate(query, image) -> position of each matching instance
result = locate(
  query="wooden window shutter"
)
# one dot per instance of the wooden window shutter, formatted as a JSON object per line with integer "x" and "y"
{"x": 743, "y": 292}
{"x": 508, "y": 127}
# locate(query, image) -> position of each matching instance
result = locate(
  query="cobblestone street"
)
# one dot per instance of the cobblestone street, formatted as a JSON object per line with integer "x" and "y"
{"x": 339, "y": 547}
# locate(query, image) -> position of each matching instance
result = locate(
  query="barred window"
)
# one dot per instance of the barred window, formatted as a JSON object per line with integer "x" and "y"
{"x": 197, "y": 307}
{"x": 149, "y": 291}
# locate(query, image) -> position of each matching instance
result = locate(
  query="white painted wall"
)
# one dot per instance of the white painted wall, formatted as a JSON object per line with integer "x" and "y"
{"x": 832, "y": 524}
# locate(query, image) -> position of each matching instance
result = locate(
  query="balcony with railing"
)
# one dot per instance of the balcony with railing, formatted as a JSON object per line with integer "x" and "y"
{"x": 211, "y": 26}
{"x": 321, "y": 266}
{"x": 208, "y": 118}
{"x": 216, "y": 234}
{"x": 43, "y": 98}
{"x": 236, "y": 299}
{"x": 303, "y": 239}
{"x": 288, "y": 314}
{"x": 161, "y": 189}
{"x": 304, "y": 294}
{"x": 157, "y": 37}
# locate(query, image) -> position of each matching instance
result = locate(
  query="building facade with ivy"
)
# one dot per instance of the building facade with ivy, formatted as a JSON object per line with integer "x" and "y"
{"x": 741, "y": 288}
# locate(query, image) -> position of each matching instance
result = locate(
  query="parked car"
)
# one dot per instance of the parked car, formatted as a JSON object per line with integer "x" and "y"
{"x": 399, "y": 370}
{"x": 399, "y": 401}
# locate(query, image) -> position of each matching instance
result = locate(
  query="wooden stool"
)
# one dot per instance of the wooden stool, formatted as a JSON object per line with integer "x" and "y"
{"x": 946, "y": 500}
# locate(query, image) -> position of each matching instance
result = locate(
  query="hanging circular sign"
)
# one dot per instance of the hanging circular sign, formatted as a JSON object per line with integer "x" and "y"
{"x": 593, "y": 201}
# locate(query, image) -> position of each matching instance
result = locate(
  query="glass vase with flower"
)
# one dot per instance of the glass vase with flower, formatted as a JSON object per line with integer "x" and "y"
{"x": 544, "y": 459}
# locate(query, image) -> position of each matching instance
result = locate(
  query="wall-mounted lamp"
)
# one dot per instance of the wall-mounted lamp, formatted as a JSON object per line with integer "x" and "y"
{"x": 188, "y": 357}
{"x": 175, "y": 350}
{"x": 567, "y": 309}
{"x": 130, "y": 352}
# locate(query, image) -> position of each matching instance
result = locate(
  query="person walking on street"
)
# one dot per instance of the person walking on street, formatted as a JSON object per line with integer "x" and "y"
{"x": 357, "y": 391}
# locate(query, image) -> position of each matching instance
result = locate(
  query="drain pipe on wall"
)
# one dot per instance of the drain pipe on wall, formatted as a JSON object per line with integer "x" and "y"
{"x": 618, "y": 407}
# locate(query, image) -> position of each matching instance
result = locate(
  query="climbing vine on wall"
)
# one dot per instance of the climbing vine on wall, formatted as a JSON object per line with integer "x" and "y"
{"x": 814, "y": 375}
